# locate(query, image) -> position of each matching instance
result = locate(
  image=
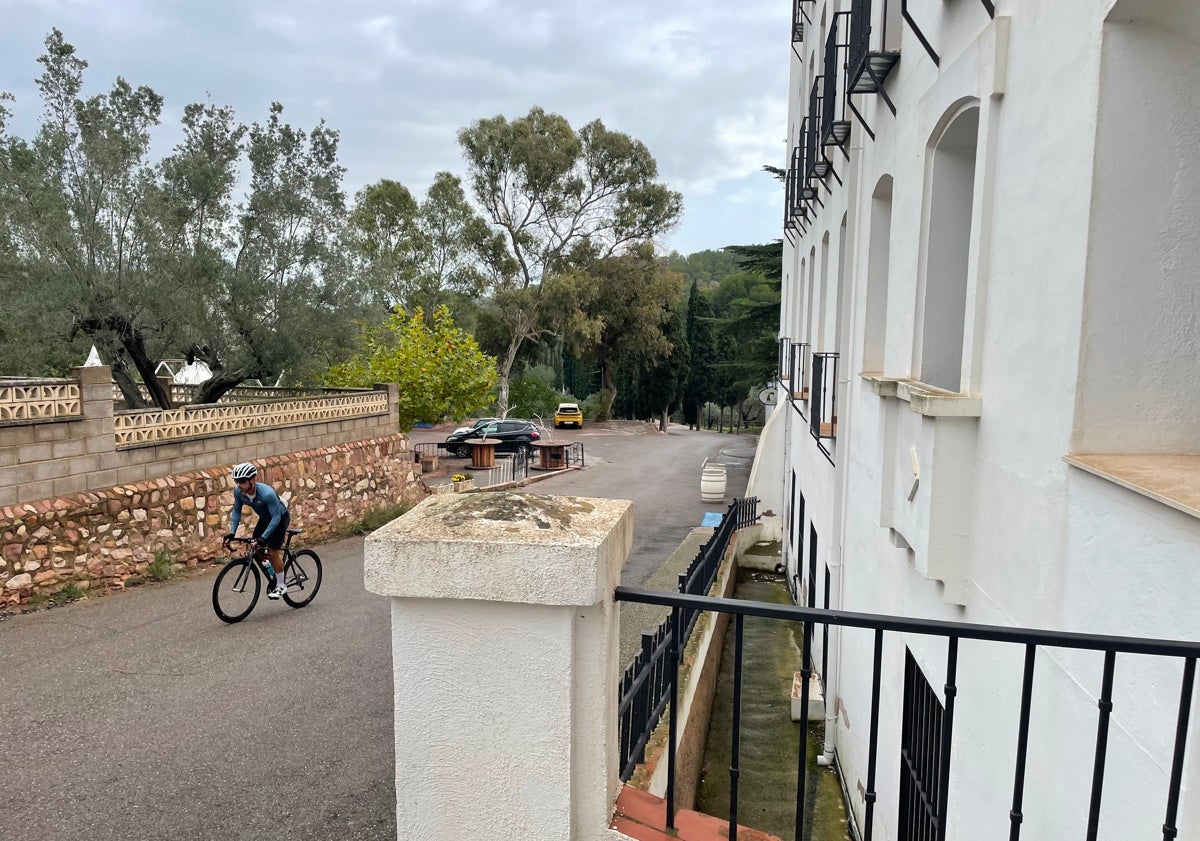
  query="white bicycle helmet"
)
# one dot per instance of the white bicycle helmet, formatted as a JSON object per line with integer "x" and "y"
{"x": 245, "y": 470}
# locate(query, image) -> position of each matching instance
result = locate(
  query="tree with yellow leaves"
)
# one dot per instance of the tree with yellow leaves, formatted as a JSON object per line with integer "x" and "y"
{"x": 439, "y": 368}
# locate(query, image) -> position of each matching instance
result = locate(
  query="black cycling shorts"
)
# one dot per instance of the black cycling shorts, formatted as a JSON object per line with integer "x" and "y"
{"x": 275, "y": 541}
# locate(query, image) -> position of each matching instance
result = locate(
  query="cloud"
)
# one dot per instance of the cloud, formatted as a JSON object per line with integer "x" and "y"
{"x": 702, "y": 83}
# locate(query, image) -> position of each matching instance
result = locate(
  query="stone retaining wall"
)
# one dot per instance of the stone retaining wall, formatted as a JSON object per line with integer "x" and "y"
{"x": 107, "y": 538}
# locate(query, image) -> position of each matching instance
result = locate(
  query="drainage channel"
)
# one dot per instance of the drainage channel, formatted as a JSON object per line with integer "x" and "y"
{"x": 770, "y": 740}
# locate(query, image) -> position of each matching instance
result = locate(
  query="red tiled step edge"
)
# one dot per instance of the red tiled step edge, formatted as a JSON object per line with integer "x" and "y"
{"x": 643, "y": 816}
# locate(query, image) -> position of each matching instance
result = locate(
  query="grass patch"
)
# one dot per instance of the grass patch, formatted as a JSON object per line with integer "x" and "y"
{"x": 71, "y": 592}
{"x": 162, "y": 567}
{"x": 372, "y": 519}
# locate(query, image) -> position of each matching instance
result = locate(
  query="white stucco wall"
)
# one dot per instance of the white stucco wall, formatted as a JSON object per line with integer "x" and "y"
{"x": 1068, "y": 315}
{"x": 504, "y": 650}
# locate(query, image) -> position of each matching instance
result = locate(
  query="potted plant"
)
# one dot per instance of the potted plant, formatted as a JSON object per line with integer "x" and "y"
{"x": 462, "y": 482}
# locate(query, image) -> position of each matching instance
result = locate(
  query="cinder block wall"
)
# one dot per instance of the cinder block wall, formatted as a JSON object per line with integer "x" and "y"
{"x": 52, "y": 458}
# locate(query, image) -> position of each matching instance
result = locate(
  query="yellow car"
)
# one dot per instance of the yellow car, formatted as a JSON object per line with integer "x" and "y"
{"x": 568, "y": 414}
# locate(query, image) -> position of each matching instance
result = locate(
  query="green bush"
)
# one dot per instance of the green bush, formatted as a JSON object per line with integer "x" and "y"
{"x": 598, "y": 405}
{"x": 529, "y": 396}
{"x": 542, "y": 373}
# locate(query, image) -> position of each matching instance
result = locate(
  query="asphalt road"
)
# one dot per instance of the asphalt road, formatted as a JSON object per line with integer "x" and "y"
{"x": 141, "y": 716}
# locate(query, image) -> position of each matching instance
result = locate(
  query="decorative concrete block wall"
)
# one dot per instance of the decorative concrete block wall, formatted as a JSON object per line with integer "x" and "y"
{"x": 77, "y": 446}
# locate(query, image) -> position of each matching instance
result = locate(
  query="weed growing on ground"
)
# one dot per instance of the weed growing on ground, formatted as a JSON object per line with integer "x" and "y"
{"x": 71, "y": 592}
{"x": 163, "y": 565}
{"x": 374, "y": 518}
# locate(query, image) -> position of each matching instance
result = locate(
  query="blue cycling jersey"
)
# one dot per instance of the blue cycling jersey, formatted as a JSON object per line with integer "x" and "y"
{"x": 265, "y": 503}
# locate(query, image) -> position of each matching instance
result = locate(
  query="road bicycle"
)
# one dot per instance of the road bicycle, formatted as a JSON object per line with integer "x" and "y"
{"x": 236, "y": 590}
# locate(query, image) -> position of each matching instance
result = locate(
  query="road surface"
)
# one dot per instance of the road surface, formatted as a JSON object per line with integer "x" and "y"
{"x": 141, "y": 716}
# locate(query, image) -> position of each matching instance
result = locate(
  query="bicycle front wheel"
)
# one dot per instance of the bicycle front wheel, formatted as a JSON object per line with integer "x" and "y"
{"x": 302, "y": 573}
{"x": 235, "y": 592}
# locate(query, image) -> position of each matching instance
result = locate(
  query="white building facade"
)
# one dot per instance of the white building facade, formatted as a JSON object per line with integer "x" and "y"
{"x": 990, "y": 399}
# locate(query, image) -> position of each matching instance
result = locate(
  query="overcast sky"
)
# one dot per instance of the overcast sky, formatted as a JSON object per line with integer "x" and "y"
{"x": 702, "y": 83}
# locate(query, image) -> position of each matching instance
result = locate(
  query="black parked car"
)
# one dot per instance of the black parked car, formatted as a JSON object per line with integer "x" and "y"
{"x": 513, "y": 435}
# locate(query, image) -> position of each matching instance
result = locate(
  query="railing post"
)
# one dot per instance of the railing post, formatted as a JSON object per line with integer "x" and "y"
{"x": 505, "y": 660}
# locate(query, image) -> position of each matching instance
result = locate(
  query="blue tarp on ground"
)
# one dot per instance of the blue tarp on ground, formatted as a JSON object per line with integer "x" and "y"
{"x": 712, "y": 519}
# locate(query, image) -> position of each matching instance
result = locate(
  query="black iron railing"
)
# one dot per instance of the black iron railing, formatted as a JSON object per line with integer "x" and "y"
{"x": 816, "y": 164}
{"x": 573, "y": 455}
{"x": 823, "y": 420}
{"x": 799, "y": 19}
{"x": 643, "y": 693}
{"x": 799, "y": 369}
{"x": 835, "y": 128}
{"x": 870, "y": 65}
{"x": 785, "y": 351}
{"x": 509, "y": 468}
{"x": 930, "y": 750}
{"x": 798, "y": 191}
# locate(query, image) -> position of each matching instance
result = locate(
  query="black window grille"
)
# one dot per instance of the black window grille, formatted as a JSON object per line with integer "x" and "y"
{"x": 920, "y": 756}
{"x": 799, "y": 379}
{"x": 816, "y": 164}
{"x": 823, "y": 420}
{"x": 835, "y": 128}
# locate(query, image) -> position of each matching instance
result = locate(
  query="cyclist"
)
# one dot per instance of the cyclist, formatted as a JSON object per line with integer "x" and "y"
{"x": 273, "y": 519}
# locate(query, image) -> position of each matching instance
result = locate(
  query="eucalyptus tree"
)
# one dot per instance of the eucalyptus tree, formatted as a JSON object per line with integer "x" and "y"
{"x": 618, "y": 308}
{"x": 421, "y": 255}
{"x": 560, "y": 198}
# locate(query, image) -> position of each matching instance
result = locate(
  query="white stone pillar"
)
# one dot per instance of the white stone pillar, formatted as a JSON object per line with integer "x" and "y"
{"x": 504, "y": 657}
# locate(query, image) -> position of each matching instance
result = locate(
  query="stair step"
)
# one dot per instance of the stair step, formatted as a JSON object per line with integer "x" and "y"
{"x": 642, "y": 816}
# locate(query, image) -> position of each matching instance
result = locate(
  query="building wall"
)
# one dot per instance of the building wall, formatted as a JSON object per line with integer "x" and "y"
{"x": 1078, "y": 333}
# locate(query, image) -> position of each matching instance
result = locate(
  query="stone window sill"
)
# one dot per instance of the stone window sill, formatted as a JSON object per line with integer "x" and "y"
{"x": 1173, "y": 480}
{"x": 924, "y": 399}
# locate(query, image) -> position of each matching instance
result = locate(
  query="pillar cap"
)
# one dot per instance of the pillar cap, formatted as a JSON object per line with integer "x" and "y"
{"x": 500, "y": 546}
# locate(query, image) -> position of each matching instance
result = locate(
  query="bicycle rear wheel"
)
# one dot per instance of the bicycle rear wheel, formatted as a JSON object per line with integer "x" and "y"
{"x": 235, "y": 592}
{"x": 302, "y": 573}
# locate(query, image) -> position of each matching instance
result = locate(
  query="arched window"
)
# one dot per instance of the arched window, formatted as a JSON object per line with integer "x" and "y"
{"x": 839, "y": 295}
{"x": 1139, "y": 378}
{"x": 818, "y": 340}
{"x": 808, "y": 304}
{"x": 948, "y": 238}
{"x": 795, "y": 312}
{"x": 878, "y": 258}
